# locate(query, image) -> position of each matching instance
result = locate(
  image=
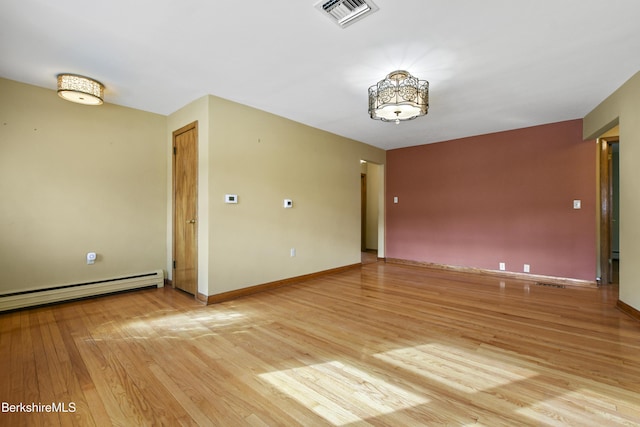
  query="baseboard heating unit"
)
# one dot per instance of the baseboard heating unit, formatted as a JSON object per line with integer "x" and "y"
{"x": 30, "y": 298}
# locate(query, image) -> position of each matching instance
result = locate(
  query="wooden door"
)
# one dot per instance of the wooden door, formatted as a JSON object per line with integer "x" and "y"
{"x": 185, "y": 208}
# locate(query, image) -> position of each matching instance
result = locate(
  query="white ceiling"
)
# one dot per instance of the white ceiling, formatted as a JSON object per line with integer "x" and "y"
{"x": 492, "y": 65}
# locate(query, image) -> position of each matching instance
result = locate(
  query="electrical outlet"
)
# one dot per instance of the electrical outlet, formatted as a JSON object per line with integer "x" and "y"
{"x": 527, "y": 268}
{"x": 503, "y": 267}
{"x": 91, "y": 258}
{"x": 293, "y": 252}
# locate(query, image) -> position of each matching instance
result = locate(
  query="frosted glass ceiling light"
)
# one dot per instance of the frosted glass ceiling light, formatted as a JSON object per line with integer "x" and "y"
{"x": 399, "y": 97}
{"x": 82, "y": 90}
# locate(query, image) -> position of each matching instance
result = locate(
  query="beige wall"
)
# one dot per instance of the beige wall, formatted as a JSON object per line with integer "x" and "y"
{"x": 75, "y": 179}
{"x": 196, "y": 111}
{"x": 265, "y": 159}
{"x": 623, "y": 108}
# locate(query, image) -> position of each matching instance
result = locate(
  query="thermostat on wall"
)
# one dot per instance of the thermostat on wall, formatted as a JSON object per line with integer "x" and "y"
{"x": 231, "y": 198}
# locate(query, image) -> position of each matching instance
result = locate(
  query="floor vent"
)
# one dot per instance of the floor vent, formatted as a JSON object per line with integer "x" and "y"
{"x": 550, "y": 285}
{"x": 346, "y": 12}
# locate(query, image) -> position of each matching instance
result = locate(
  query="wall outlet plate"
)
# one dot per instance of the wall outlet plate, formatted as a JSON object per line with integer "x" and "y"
{"x": 231, "y": 198}
{"x": 91, "y": 257}
{"x": 288, "y": 203}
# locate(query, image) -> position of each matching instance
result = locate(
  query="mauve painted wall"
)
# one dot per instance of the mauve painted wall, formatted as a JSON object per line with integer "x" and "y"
{"x": 502, "y": 197}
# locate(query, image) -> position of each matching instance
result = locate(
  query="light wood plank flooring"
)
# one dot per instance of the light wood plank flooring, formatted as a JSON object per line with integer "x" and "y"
{"x": 379, "y": 345}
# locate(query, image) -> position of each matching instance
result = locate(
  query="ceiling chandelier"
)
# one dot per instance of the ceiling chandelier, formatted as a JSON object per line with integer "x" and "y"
{"x": 398, "y": 97}
{"x": 82, "y": 90}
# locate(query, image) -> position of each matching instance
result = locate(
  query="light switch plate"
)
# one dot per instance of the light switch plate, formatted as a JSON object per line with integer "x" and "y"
{"x": 577, "y": 204}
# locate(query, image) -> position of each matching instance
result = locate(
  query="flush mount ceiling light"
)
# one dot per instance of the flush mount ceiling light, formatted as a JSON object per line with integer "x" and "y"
{"x": 399, "y": 97}
{"x": 80, "y": 89}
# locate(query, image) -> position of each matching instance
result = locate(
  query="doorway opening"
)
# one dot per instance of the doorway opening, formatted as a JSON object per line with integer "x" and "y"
{"x": 372, "y": 211}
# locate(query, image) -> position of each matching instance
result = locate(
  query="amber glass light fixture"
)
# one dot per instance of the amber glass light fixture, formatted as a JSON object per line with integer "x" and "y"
{"x": 80, "y": 89}
{"x": 399, "y": 97}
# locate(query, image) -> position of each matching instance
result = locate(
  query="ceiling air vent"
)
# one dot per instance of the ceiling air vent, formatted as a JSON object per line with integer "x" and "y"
{"x": 346, "y": 12}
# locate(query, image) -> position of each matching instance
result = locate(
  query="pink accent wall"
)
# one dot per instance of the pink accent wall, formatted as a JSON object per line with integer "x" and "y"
{"x": 501, "y": 197}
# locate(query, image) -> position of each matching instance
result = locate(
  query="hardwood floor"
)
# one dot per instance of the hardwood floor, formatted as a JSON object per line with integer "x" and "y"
{"x": 381, "y": 345}
{"x": 369, "y": 256}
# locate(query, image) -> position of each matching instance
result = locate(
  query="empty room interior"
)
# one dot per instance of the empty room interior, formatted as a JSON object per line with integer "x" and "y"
{"x": 339, "y": 212}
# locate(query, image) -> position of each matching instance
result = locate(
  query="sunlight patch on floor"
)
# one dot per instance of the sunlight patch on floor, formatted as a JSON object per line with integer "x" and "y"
{"x": 341, "y": 393}
{"x": 456, "y": 368}
{"x": 578, "y": 404}
{"x": 176, "y": 325}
